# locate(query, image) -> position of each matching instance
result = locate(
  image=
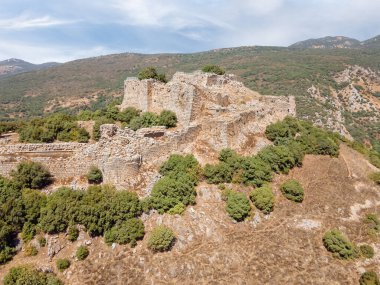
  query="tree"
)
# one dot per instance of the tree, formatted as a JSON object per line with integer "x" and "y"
{"x": 30, "y": 174}
{"x": 25, "y": 275}
{"x": 238, "y": 206}
{"x": 213, "y": 69}
{"x": 161, "y": 238}
{"x": 94, "y": 176}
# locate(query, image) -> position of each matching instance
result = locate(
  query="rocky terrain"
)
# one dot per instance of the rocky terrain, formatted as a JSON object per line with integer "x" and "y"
{"x": 284, "y": 247}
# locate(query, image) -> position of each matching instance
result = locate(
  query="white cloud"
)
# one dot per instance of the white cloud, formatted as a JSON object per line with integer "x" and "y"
{"x": 37, "y": 53}
{"x": 25, "y": 22}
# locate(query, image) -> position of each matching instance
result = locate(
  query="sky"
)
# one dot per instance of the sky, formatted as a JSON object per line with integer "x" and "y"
{"x": 62, "y": 30}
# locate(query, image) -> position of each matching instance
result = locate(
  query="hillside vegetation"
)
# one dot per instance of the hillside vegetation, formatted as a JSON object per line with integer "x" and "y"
{"x": 92, "y": 83}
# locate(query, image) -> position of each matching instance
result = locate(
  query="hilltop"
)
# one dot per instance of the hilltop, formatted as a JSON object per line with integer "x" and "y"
{"x": 338, "y": 42}
{"x": 15, "y": 66}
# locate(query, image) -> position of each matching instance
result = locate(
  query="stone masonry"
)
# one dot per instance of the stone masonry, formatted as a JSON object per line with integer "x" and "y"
{"x": 214, "y": 112}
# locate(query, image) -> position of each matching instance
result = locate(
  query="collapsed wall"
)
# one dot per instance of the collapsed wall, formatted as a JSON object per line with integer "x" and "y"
{"x": 214, "y": 112}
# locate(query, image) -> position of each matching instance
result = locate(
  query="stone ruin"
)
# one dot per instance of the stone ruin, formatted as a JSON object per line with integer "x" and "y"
{"x": 214, "y": 112}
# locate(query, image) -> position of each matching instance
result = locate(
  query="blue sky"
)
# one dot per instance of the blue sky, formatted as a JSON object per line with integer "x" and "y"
{"x": 62, "y": 30}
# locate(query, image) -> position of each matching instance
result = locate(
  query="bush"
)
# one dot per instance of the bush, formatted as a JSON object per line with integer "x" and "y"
{"x": 72, "y": 233}
{"x": 151, "y": 73}
{"x": 213, "y": 69}
{"x": 256, "y": 172}
{"x": 292, "y": 190}
{"x": 373, "y": 223}
{"x": 127, "y": 114}
{"x": 280, "y": 158}
{"x": 178, "y": 164}
{"x": 167, "y": 118}
{"x": 32, "y": 175}
{"x": 263, "y": 198}
{"x": 63, "y": 264}
{"x": 41, "y": 241}
{"x": 146, "y": 120}
{"x": 95, "y": 176}
{"x": 161, "y": 239}
{"x": 130, "y": 231}
{"x": 340, "y": 246}
{"x": 28, "y": 231}
{"x": 375, "y": 177}
{"x": 369, "y": 278}
{"x": 169, "y": 192}
{"x": 23, "y": 275}
{"x": 367, "y": 251}
{"x": 237, "y": 206}
{"x": 177, "y": 209}
{"x": 31, "y": 250}
{"x": 82, "y": 252}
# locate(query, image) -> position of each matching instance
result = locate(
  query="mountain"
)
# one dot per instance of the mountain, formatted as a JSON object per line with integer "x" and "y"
{"x": 308, "y": 74}
{"x": 372, "y": 43}
{"x": 328, "y": 43}
{"x": 14, "y": 66}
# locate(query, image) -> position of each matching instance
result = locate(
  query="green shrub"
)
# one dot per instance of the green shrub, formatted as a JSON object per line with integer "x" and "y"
{"x": 177, "y": 209}
{"x": 95, "y": 175}
{"x": 161, "y": 238}
{"x": 146, "y": 120}
{"x": 169, "y": 192}
{"x": 256, "y": 172}
{"x": 72, "y": 233}
{"x": 178, "y": 164}
{"x": 373, "y": 223}
{"x": 213, "y": 69}
{"x": 339, "y": 245}
{"x": 151, "y": 73}
{"x": 130, "y": 231}
{"x": 367, "y": 251}
{"x": 280, "y": 158}
{"x": 31, "y": 250}
{"x": 82, "y": 252}
{"x": 263, "y": 198}
{"x": 25, "y": 275}
{"x": 28, "y": 231}
{"x": 238, "y": 206}
{"x": 167, "y": 118}
{"x": 369, "y": 278}
{"x": 41, "y": 241}
{"x": 33, "y": 201}
{"x": 62, "y": 264}
{"x": 127, "y": 114}
{"x": 375, "y": 177}
{"x": 32, "y": 175}
{"x": 292, "y": 190}
{"x": 218, "y": 173}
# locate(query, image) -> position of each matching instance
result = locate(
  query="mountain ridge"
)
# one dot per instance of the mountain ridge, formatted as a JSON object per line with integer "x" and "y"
{"x": 13, "y": 66}
{"x": 331, "y": 42}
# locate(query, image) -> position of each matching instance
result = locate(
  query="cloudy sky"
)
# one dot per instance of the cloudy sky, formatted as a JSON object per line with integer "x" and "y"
{"x": 62, "y": 30}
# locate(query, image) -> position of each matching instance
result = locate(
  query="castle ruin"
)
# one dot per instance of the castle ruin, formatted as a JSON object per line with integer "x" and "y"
{"x": 214, "y": 112}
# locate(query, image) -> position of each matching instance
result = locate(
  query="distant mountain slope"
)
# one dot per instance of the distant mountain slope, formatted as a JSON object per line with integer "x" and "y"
{"x": 14, "y": 66}
{"x": 337, "y": 42}
{"x": 328, "y": 43}
{"x": 268, "y": 70}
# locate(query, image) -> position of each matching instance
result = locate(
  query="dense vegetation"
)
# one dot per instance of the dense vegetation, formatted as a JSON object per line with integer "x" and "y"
{"x": 82, "y": 252}
{"x": 177, "y": 186}
{"x": 27, "y": 275}
{"x": 292, "y": 190}
{"x": 292, "y": 139}
{"x": 63, "y": 264}
{"x": 54, "y": 127}
{"x": 339, "y": 245}
{"x": 31, "y": 175}
{"x": 161, "y": 238}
